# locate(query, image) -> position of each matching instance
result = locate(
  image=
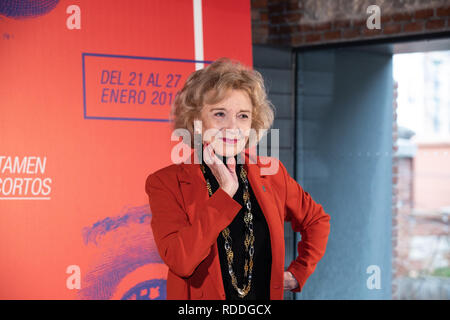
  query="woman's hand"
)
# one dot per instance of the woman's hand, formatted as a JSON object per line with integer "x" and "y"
{"x": 225, "y": 176}
{"x": 289, "y": 281}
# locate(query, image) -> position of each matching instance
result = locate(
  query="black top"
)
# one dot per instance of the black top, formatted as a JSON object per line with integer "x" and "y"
{"x": 262, "y": 258}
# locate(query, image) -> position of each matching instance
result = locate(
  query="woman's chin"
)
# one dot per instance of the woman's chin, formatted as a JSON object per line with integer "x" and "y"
{"x": 223, "y": 149}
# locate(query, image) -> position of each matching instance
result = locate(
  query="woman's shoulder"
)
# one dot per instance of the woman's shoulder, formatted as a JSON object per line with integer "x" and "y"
{"x": 163, "y": 174}
{"x": 269, "y": 166}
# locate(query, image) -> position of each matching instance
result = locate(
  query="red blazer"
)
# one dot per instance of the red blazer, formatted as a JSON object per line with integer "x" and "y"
{"x": 186, "y": 223}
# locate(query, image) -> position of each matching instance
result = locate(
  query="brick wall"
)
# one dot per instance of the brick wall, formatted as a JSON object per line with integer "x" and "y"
{"x": 310, "y": 22}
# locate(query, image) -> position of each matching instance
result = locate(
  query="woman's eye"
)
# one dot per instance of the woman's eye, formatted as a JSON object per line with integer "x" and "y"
{"x": 221, "y": 114}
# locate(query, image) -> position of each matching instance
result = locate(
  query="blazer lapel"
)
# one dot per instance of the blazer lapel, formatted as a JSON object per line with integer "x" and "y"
{"x": 193, "y": 185}
{"x": 265, "y": 196}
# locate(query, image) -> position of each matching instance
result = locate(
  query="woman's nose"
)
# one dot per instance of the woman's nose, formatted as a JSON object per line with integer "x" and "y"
{"x": 231, "y": 131}
{"x": 231, "y": 123}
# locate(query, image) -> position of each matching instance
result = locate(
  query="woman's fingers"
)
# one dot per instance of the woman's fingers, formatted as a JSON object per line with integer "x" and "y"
{"x": 216, "y": 165}
{"x": 231, "y": 164}
{"x": 225, "y": 176}
{"x": 211, "y": 156}
{"x": 208, "y": 155}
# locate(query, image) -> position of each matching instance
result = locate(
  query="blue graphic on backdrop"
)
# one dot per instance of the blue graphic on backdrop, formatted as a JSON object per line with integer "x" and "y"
{"x": 20, "y": 9}
{"x": 123, "y": 245}
{"x": 135, "y": 292}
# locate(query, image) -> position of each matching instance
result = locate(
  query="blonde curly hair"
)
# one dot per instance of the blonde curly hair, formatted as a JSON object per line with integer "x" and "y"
{"x": 211, "y": 84}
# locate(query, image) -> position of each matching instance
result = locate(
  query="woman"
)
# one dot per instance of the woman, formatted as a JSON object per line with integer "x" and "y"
{"x": 218, "y": 218}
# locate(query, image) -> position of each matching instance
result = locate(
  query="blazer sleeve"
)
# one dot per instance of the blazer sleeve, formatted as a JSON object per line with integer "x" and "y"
{"x": 182, "y": 244}
{"x": 310, "y": 219}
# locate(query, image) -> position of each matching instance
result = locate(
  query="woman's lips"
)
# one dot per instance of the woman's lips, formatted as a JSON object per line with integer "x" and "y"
{"x": 230, "y": 141}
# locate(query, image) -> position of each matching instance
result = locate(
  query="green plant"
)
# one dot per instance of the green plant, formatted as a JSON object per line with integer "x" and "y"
{"x": 442, "y": 272}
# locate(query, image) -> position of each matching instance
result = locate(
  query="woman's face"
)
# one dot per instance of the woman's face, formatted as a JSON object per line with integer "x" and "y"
{"x": 228, "y": 123}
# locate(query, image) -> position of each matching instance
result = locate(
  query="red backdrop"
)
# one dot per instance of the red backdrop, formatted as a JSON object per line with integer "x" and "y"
{"x": 85, "y": 95}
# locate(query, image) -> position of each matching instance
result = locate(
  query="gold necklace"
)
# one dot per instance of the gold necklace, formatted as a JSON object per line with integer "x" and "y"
{"x": 249, "y": 238}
